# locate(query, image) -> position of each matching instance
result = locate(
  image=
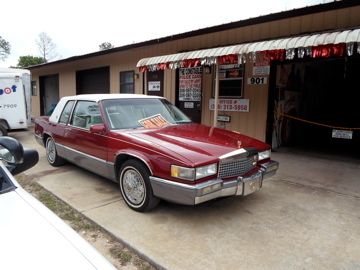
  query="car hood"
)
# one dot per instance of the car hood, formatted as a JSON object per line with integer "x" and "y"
{"x": 34, "y": 238}
{"x": 196, "y": 143}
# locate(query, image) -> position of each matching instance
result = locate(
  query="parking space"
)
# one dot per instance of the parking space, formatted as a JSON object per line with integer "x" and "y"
{"x": 306, "y": 217}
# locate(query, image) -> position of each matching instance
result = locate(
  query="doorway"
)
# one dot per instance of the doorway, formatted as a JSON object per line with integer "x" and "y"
{"x": 315, "y": 103}
{"x": 189, "y": 92}
{"x": 49, "y": 93}
{"x": 155, "y": 83}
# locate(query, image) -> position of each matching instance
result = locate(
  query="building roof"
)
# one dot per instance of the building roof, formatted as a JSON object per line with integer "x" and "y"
{"x": 213, "y": 29}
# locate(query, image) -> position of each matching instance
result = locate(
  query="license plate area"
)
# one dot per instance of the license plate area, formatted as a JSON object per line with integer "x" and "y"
{"x": 251, "y": 184}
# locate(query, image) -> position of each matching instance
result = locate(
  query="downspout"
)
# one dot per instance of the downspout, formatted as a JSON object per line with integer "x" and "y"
{"x": 216, "y": 95}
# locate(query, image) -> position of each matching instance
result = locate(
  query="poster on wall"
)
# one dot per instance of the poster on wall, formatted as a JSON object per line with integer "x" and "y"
{"x": 261, "y": 68}
{"x": 190, "y": 84}
{"x": 230, "y": 105}
{"x": 154, "y": 86}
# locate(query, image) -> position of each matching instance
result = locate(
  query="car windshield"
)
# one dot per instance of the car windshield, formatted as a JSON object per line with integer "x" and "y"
{"x": 142, "y": 112}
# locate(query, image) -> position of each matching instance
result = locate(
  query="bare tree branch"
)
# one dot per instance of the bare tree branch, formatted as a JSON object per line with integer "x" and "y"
{"x": 46, "y": 47}
{"x": 4, "y": 48}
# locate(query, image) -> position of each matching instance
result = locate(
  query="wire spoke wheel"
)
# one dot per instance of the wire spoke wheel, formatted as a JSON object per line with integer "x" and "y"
{"x": 52, "y": 155}
{"x": 51, "y": 151}
{"x": 134, "y": 186}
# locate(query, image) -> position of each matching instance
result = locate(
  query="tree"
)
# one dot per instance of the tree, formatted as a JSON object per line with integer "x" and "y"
{"x": 28, "y": 60}
{"x": 46, "y": 47}
{"x": 105, "y": 46}
{"x": 4, "y": 48}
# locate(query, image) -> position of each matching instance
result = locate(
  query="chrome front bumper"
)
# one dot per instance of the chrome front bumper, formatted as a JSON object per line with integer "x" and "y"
{"x": 199, "y": 193}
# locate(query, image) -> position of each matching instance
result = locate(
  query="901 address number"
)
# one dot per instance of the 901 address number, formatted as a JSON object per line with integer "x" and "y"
{"x": 257, "y": 80}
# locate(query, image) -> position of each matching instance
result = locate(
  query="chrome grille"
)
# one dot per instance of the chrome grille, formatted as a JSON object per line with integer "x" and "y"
{"x": 235, "y": 167}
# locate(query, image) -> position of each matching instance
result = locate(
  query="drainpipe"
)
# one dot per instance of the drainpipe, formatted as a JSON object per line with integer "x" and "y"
{"x": 216, "y": 94}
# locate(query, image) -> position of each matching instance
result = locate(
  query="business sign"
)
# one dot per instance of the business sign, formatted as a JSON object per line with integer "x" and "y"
{"x": 190, "y": 84}
{"x": 230, "y": 105}
{"x": 261, "y": 68}
{"x": 342, "y": 134}
{"x": 224, "y": 118}
{"x": 154, "y": 86}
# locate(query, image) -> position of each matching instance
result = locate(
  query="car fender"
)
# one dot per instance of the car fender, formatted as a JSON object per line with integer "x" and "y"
{"x": 125, "y": 153}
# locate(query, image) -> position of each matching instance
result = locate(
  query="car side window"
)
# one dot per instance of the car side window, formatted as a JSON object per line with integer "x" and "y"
{"x": 86, "y": 113}
{"x": 65, "y": 115}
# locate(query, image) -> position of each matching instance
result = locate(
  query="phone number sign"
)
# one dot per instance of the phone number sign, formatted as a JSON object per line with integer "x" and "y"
{"x": 230, "y": 105}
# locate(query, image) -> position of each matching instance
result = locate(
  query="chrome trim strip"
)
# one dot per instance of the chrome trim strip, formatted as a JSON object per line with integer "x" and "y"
{"x": 97, "y": 165}
{"x": 81, "y": 153}
{"x": 233, "y": 153}
{"x": 191, "y": 187}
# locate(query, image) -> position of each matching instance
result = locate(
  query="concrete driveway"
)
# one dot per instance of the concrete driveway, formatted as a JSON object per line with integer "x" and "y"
{"x": 306, "y": 217}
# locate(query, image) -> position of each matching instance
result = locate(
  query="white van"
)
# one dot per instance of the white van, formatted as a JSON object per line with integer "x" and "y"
{"x": 15, "y": 99}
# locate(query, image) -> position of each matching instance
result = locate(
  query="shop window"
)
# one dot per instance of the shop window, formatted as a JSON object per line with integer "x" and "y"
{"x": 231, "y": 81}
{"x": 127, "y": 82}
{"x": 33, "y": 88}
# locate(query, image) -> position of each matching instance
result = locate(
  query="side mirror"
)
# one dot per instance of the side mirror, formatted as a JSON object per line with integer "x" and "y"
{"x": 98, "y": 129}
{"x": 11, "y": 150}
{"x": 15, "y": 158}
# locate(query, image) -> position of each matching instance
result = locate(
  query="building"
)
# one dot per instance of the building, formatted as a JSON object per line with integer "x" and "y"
{"x": 288, "y": 78}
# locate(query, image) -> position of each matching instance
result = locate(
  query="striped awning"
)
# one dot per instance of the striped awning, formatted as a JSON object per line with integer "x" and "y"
{"x": 315, "y": 45}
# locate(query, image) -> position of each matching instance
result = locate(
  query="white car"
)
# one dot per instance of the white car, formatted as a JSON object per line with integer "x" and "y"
{"x": 33, "y": 237}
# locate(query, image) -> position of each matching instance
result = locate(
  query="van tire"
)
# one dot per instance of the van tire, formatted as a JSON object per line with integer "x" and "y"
{"x": 3, "y": 131}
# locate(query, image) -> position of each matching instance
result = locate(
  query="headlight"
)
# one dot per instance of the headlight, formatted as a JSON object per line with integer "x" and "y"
{"x": 193, "y": 173}
{"x": 264, "y": 154}
{"x": 208, "y": 170}
{"x": 182, "y": 172}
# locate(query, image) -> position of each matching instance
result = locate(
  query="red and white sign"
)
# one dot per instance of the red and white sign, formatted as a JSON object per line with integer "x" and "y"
{"x": 190, "y": 84}
{"x": 155, "y": 121}
{"x": 230, "y": 105}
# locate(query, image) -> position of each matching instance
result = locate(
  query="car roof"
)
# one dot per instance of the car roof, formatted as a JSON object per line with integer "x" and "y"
{"x": 98, "y": 97}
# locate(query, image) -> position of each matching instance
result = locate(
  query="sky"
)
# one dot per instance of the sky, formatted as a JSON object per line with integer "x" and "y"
{"x": 79, "y": 26}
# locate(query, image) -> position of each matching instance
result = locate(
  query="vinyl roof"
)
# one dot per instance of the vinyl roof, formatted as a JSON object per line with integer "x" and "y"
{"x": 98, "y": 97}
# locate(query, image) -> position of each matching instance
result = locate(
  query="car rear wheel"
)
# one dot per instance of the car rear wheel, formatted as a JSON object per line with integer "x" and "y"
{"x": 52, "y": 155}
{"x": 135, "y": 186}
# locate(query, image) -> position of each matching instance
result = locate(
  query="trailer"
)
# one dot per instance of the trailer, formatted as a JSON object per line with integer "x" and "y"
{"x": 15, "y": 99}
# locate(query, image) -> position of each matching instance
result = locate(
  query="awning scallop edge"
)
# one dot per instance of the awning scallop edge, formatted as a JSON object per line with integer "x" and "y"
{"x": 338, "y": 43}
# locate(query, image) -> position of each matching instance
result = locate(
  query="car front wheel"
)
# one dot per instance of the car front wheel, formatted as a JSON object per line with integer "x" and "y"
{"x": 135, "y": 186}
{"x": 52, "y": 155}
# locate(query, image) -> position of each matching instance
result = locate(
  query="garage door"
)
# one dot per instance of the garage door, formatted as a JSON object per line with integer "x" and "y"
{"x": 93, "y": 81}
{"x": 317, "y": 105}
